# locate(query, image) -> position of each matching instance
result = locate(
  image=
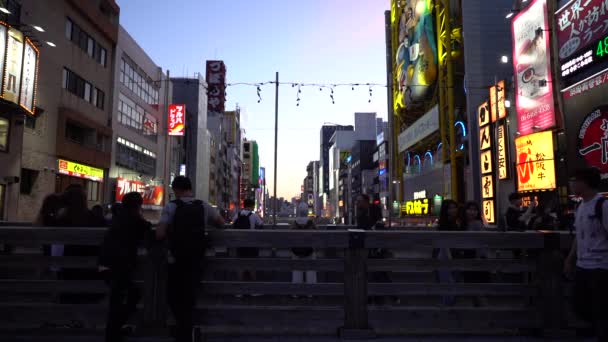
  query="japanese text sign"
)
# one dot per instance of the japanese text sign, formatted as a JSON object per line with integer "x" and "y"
{"x": 152, "y": 194}
{"x": 580, "y": 23}
{"x": 535, "y": 163}
{"x": 483, "y": 114}
{"x": 501, "y": 147}
{"x": 593, "y": 139}
{"x": 486, "y": 162}
{"x": 485, "y": 140}
{"x": 488, "y": 211}
{"x": 416, "y": 207}
{"x": 79, "y": 170}
{"x": 487, "y": 186}
{"x": 497, "y": 101}
{"x": 177, "y": 119}
{"x": 531, "y": 62}
{"x": 586, "y": 85}
{"x": 216, "y": 82}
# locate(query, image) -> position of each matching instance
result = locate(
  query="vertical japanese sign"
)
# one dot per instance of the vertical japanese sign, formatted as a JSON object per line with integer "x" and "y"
{"x": 531, "y": 61}
{"x": 501, "y": 148}
{"x": 28, "y": 88}
{"x": 177, "y": 119}
{"x": 593, "y": 139}
{"x": 580, "y": 23}
{"x": 486, "y": 160}
{"x": 535, "y": 163}
{"x": 497, "y": 101}
{"x": 216, "y": 82}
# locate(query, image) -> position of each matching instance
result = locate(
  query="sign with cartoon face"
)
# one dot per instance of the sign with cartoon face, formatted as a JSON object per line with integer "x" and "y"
{"x": 593, "y": 139}
{"x": 535, "y": 163}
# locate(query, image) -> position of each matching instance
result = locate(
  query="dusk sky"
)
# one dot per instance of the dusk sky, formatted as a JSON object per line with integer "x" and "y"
{"x": 306, "y": 41}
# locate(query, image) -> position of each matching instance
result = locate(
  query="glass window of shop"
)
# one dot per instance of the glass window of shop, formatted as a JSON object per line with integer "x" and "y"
{"x": 4, "y": 134}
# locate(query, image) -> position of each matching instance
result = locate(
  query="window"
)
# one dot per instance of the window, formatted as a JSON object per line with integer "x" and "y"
{"x": 100, "y": 98}
{"x": 87, "y": 43}
{"x": 4, "y": 134}
{"x": 137, "y": 81}
{"x": 68, "y": 29}
{"x": 135, "y": 157}
{"x": 87, "y": 91}
{"x": 30, "y": 121}
{"x": 83, "y": 89}
{"x": 75, "y": 133}
{"x": 27, "y": 181}
{"x": 92, "y": 191}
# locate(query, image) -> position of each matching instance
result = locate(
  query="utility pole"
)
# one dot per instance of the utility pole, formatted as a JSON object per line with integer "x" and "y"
{"x": 276, "y": 139}
{"x": 167, "y": 140}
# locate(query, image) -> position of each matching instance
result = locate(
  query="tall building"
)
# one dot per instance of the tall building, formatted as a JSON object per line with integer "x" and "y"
{"x": 327, "y": 131}
{"x": 251, "y": 168}
{"x": 194, "y": 147}
{"x": 365, "y": 126}
{"x": 71, "y": 142}
{"x": 139, "y": 127}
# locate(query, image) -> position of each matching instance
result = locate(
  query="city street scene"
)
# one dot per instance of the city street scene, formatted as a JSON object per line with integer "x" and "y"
{"x": 313, "y": 170}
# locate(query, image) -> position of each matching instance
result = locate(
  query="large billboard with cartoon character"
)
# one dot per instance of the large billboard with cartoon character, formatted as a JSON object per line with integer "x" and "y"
{"x": 416, "y": 68}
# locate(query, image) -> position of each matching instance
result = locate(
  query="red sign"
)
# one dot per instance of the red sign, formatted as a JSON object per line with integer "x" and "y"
{"x": 580, "y": 23}
{"x": 585, "y": 86}
{"x": 531, "y": 62}
{"x": 593, "y": 139}
{"x": 152, "y": 194}
{"x": 177, "y": 119}
{"x": 216, "y": 81}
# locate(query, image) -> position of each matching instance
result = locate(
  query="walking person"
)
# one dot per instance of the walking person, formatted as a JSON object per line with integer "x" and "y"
{"x": 303, "y": 222}
{"x": 247, "y": 219}
{"x": 117, "y": 263}
{"x": 449, "y": 220}
{"x": 587, "y": 261}
{"x": 183, "y": 223}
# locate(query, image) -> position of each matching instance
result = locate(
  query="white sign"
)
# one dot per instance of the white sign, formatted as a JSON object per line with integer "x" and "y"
{"x": 420, "y": 194}
{"x": 422, "y": 128}
{"x": 30, "y": 61}
{"x": 14, "y": 58}
{"x": 380, "y": 138}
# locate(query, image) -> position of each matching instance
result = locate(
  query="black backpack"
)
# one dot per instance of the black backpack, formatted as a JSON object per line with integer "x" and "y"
{"x": 187, "y": 233}
{"x": 242, "y": 222}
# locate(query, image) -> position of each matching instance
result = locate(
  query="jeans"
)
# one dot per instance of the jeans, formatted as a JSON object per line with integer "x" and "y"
{"x": 301, "y": 277}
{"x": 590, "y": 299}
{"x": 183, "y": 283}
{"x": 124, "y": 296}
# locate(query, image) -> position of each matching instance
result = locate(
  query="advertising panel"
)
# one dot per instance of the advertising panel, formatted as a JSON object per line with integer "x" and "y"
{"x": 416, "y": 52}
{"x": 483, "y": 114}
{"x": 14, "y": 59}
{"x": 416, "y": 207}
{"x": 535, "y": 163}
{"x": 28, "y": 88}
{"x": 152, "y": 194}
{"x": 488, "y": 211}
{"x": 497, "y": 101}
{"x": 420, "y": 129}
{"x": 586, "y": 85}
{"x": 531, "y": 61}
{"x": 580, "y": 24}
{"x": 79, "y": 170}
{"x": 177, "y": 120}
{"x": 485, "y": 138}
{"x": 216, "y": 82}
{"x": 501, "y": 147}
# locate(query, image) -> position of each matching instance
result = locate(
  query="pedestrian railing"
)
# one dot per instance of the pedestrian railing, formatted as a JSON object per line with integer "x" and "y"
{"x": 368, "y": 283}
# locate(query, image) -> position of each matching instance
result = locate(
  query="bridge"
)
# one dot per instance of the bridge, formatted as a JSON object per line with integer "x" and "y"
{"x": 392, "y": 295}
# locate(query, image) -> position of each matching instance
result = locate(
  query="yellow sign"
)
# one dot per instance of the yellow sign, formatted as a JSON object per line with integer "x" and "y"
{"x": 503, "y": 172}
{"x": 487, "y": 186}
{"x": 485, "y": 138}
{"x": 79, "y": 170}
{"x": 535, "y": 163}
{"x": 483, "y": 114}
{"x": 486, "y": 162}
{"x": 497, "y": 101}
{"x": 416, "y": 207}
{"x": 488, "y": 211}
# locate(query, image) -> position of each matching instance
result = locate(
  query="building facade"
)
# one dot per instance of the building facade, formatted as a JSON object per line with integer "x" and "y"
{"x": 71, "y": 143}
{"x": 327, "y": 131}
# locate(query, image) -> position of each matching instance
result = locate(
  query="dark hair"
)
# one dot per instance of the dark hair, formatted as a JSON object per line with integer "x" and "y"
{"x": 116, "y": 209}
{"x": 514, "y": 196}
{"x": 248, "y": 203}
{"x": 76, "y": 211}
{"x": 131, "y": 202}
{"x": 444, "y": 219}
{"x": 181, "y": 183}
{"x": 590, "y": 176}
{"x": 471, "y": 204}
{"x": 47, "y": 216}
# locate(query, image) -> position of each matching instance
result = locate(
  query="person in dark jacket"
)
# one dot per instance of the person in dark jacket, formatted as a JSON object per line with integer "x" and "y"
{"x": 117, "y": 261}
{"x": 367, "y": 214}
{"x": 517, "y": 216}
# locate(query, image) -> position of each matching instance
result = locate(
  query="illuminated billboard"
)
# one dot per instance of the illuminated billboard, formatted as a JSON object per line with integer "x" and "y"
{"x": 593, "y": 139}
{"x": 532, "y": 69}
{"x": 79, "y": 170}
{"x": 216, "y": 81}
{"x": 177, "y": 120}
{"x": 151, "y": 194}
{"x": 416, "y": 67}
{"x": 535, "y": 162}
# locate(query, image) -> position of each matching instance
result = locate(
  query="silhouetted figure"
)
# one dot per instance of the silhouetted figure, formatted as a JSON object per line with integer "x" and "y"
{"x": 97, "y": 218}
{"x": 367, "y": 214}
{"x": 516, "y": 216}
{"x": 118, "y": 260}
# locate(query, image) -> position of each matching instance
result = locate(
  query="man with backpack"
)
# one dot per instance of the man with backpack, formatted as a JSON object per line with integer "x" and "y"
{"x": 182, "y": 223}
{"x": 247, "y": 219}
{"x": 588, "y": 258}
